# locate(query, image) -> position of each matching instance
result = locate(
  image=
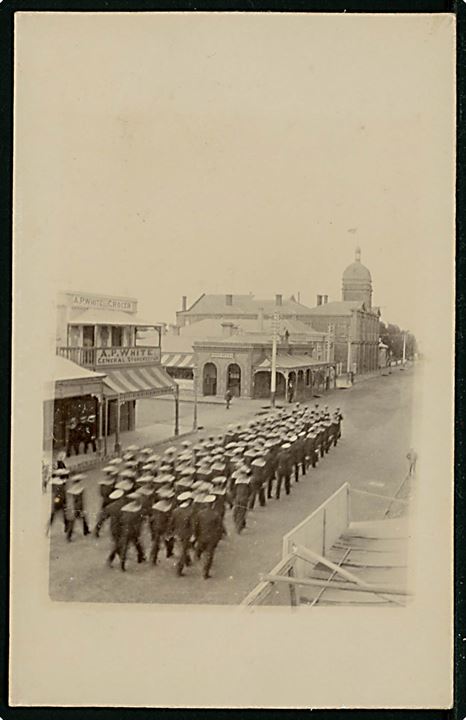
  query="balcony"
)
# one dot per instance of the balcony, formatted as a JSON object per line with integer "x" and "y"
{"x": 97, "y": 358}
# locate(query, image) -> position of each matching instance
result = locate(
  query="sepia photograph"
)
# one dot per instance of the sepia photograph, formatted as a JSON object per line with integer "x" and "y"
{"x": 233, "y": 343}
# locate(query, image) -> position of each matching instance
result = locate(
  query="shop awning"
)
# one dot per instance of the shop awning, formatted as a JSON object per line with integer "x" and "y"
{"x": 136, "y": 383}
{"x": 178, "y": 360}
{"x": 291, "y": 362}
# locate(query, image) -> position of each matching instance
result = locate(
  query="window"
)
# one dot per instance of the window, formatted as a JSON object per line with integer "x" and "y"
{"x": 117, "y": 337}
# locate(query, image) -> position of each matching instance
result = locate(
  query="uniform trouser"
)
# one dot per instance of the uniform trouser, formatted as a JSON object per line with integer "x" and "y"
{"x": 302, "y": 462}
{"x": 116, "y": 549}
{"x": 322, "y": 449}
{"x": 133, "y": 539}
{"x": 286, "y": 478}
{"x": 101, "y": 518}
{"x": 270, "y": 483}
{"x": 209, "y": 549}
{"x": 157, "y": 538}
{"x": 239, "y": 517}
{"x": 258, "y": 490}
{"x": 185, "y": 558}
{"x": 54, "y": 512}
{"x": 78, "y": 515}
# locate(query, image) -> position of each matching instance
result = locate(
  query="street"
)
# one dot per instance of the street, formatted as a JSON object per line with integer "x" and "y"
{"x": 371, "y": 456}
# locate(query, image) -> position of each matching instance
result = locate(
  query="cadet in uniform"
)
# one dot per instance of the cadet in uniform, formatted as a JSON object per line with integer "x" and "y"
{"x": 159, "y": 526}
{"x": 284, "y": 470}
{"x": 117, "y": 500}
{"x": 182, "y": 529}
{"x": 59, "y": 478}
{"x": 240, "y": 509}
{"x": 131, "y": 521}
{"x": 208, "y": 532}
{"x": 79, "y": 513}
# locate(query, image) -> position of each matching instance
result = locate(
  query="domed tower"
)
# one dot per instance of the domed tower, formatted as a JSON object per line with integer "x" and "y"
{"x": 357, "y": 281}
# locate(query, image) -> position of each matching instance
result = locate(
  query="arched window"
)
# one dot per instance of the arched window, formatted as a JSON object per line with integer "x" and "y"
{"x": 234, "y": 379}
{"x": 209, "y": 379}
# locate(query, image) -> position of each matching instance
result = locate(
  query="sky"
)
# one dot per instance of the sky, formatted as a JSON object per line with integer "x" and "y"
{"x": 161, "y": 155}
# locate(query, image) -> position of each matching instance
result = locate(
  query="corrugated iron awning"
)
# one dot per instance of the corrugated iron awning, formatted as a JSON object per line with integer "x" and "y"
{"x": 179, "y": 360}
{"x": 134, "y": 383}
{"x": 291, "y": 362}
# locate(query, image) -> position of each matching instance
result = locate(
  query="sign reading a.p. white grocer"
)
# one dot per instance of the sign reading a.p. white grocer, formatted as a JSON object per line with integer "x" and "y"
{"x": 101, "y": 302}
{"x": 127, "y": 356}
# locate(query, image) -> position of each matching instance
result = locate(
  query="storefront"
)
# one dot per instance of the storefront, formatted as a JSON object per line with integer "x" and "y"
{"x": 73, "y": 407}
{"x": 242, "y": 365}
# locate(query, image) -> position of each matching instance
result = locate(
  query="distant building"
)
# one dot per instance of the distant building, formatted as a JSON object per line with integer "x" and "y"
{"x": 109, "y": 369}
{"x": 241, "y": 307}
{"x": 224, "y": 353}
{"x": 354, "y": 321}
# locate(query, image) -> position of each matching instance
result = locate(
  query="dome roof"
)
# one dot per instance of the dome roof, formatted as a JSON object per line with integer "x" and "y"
{"x": 357, "y": 271}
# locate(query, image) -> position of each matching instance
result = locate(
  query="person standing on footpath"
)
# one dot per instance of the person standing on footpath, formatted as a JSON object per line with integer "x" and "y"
{"x": 228, "y": 398}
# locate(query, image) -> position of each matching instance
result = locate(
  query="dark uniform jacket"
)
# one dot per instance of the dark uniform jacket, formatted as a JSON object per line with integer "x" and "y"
{"x": 208, "y": 526}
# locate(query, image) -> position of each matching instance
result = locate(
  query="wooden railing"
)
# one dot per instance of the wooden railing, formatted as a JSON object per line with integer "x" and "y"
{"x": 96, "y": 358}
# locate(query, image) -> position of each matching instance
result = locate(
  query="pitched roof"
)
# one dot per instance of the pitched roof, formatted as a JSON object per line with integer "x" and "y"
{"x": 337, "y": 307}
{"x": 208, "y": 304}
{"x": 65, "y": 371}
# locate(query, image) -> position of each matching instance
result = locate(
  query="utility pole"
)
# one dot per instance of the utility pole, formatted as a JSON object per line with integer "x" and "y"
{"x": 273, "y": 368}
{"x": 195, "y": 399}
{"x": 404, "y": 346}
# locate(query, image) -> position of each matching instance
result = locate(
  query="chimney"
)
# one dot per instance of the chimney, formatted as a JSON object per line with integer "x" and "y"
{"x": 184, "y": 303}
{"x": 227, "y": 328}
{"x": 319, "y": 299}
{"x": 278, "y": 300}
{"x": 228, "y": 299}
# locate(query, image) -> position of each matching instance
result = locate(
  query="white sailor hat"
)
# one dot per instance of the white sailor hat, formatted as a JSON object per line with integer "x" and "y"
{"x": 132, "y": 448}
{"x": 184, "y": 497}
{"x": 186, "y": 444}
{"x": 124, "y": 485}
{"x": 259, "y": 462}
{"x": 116, "y": 494}
{"x": 219, "y": 491}
{"x": 110, "y": 470}
{"x": 76, "y": 490}
{"x": 286, "y": 446}
{"x": 133, "y": 507}
{"x": 78, "y": 477}
{"x": 170, "y": 451}
{"x": 208, "y": 499}
{"x": 115, "y": 461}
{"x": 153, "y": 458}
{"x": 162, "y": 506}
{"x": 128, "y": 473}
{"x": 146, "y": 451}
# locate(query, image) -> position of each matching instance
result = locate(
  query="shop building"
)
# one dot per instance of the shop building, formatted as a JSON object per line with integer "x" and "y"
{"x": 241, "y": 363}
{"x": 102, "y": 334}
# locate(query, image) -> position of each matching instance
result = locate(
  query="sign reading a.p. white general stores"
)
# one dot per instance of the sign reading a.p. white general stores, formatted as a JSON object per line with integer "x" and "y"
{"x": 102, "y": 302}
{"x": 127, "y": 356}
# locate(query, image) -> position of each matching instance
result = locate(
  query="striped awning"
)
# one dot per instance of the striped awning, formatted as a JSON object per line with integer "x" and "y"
{"x": 180, "y": 360}
{"x": 134, "y": 383}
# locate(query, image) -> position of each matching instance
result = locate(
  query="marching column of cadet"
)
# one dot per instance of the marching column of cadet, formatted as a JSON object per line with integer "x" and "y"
{"x": 183, "y": 495}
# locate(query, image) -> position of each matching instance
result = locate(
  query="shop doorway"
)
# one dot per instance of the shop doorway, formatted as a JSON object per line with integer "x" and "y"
{"x": 234, "y": 379}
{"x": 209, "y": 384}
